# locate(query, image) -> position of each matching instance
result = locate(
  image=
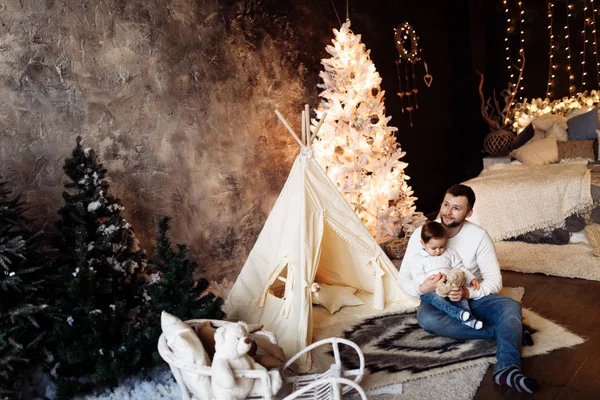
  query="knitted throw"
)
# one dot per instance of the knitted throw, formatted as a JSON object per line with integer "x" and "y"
{"x": 513, "y": 199}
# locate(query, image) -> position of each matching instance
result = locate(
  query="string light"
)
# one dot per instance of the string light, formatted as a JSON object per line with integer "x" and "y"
{"x": 583, "y": 32}
{"x": 521, "y": 44}
{"x": 567, "y": 36}
{"x": 551, "y": 65}
{"x": 595, "y": 41}
{"x": 523, "y": 113}
{"x": 514, "y": 87}
{"x": 507, "y": 41}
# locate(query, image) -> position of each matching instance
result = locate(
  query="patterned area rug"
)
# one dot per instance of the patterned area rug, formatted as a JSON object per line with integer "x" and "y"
{"x": 397, "y": 350}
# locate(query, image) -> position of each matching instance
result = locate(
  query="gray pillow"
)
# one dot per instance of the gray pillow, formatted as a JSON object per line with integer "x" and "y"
{"x": 583, "y": 127}
{"x": 595, "y": 217}
{"x": 575, "y": 223}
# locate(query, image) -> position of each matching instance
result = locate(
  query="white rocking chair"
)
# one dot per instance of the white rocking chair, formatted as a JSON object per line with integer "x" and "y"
{"x": 331, "y": 384}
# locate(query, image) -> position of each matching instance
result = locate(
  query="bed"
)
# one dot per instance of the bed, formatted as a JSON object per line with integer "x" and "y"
{"x": 550, "y": 192}
{"x": 537, "y": 204}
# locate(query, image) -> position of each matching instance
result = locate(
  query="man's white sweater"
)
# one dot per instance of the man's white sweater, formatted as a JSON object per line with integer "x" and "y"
{"x": 475, "y": 248}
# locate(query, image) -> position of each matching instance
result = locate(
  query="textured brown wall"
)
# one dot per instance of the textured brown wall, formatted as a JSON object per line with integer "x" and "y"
{"x": 176, "y": 97}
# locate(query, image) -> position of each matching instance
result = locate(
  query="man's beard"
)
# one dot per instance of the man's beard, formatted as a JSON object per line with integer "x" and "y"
{"x": 453, "y": 224}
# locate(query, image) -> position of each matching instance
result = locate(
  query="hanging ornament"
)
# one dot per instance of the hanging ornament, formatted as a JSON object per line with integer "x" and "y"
{"x": 407, "y": 44}
{"x": 428, "y": 79}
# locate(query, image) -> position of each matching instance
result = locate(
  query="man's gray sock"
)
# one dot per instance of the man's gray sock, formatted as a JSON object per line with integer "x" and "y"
{"x": 513, "y": 377}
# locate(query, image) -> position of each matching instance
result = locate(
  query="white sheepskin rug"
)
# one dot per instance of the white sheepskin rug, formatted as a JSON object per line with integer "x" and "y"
{"x": 570, "y": 260}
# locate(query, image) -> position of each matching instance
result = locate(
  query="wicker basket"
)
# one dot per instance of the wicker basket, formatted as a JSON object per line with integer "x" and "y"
{"x": 498, "y": 143}
{"x": 396, "y": 248}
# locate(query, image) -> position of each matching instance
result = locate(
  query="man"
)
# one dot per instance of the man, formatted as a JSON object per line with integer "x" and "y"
{"x": 501, "y": 316}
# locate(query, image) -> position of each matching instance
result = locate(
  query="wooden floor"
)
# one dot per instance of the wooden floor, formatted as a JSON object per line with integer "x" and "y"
{"x": 565, "y": 373}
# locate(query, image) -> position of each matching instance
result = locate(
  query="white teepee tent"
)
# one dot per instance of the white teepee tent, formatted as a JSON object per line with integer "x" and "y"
{"x": 312, "y": 234}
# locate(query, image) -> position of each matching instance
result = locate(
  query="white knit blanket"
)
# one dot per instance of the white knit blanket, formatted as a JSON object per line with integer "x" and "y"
{"x": 513, "y": 199}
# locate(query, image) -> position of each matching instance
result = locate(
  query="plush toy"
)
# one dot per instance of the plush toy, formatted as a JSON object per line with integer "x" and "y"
{"x": 231, "y": 354}
{"x": 267, "y": 354}
{"x": 454, "y": 278}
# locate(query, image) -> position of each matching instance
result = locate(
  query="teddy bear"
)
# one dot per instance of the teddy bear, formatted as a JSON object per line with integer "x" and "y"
{"x": 264, "y": 352}
{"x": 454, "y": 278}
{"x": 232, "y": 345}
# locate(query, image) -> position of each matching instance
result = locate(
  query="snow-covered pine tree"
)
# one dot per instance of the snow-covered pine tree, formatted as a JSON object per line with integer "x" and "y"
{"x": 26, "y": 271}
{"x": 103, "y": 302}
{"x": 175, "y": 290}
{"x": 355, "y": 145}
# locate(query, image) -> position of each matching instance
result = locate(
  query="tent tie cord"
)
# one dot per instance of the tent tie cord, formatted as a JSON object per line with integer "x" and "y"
{"x": 306, "y": 152}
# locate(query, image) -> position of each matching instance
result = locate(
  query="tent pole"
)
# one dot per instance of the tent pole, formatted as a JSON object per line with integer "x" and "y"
{"x": 307, "y": 116}
{"x": 312, "y": 137}
{"x": 303, "y": 120}
{"x": 289, "y": 128}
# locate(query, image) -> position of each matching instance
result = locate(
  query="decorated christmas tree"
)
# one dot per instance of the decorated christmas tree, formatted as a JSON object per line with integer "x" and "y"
{"x": 103, "y": 303}
{"x": 26, "y": 271}
{"x": 174, "y": 289}
{"x": 355, "y": 145}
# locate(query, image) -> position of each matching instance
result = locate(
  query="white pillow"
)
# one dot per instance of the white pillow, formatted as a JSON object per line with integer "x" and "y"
{"x": 186, "y": 347}
{"x": 550, "y": 125}
{"x": 541, "y": 152}
{"x": 558, "y": 132}
{"x": 335, "y": 297}
{"x": 538, "y": 135}
{"x": 545, "y": 122}
{"x": 579, "y": 237}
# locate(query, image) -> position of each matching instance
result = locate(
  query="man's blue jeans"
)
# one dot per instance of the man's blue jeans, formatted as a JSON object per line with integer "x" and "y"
{"x": 502, "y": 321}
{"x": 453, "y": 309}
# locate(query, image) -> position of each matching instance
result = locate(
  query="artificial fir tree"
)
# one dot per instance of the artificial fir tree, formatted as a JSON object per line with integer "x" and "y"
{"x": 26, "y": 272}
{"x": 355, "y": 146}
{"x": 99, "y": 339}
{"x": 175, "y": 290}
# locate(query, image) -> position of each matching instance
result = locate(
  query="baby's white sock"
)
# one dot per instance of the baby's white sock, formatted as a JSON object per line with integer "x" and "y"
{"x": 473, "y": 323}
{"x": 465, "y": 316}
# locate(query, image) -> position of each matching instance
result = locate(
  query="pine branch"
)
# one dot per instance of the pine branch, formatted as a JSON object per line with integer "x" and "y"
{"x": 25, "y": 277}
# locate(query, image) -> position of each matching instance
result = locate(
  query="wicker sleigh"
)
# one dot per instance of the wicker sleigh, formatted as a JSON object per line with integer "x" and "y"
{"x": 330, "y": 384}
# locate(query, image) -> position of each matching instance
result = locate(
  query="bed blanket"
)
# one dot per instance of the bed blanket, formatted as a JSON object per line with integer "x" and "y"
{"x": 513, "y": 199}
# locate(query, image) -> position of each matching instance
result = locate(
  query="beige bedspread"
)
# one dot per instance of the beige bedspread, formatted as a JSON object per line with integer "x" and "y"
{"x": 513, "y": 199}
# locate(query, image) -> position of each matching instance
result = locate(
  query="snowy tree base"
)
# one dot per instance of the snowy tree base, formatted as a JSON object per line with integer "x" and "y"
{"x": 157, "y": 385}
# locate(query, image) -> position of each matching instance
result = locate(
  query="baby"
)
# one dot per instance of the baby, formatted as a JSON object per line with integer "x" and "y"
{"x": 437, "y": 259}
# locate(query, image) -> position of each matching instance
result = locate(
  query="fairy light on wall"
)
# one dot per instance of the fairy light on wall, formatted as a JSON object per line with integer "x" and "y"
{"x": 522, "y": 113}
{"x": 593, "y": 24}
{"x": 567, "y": 36}
{"x": 521, "y": 44}
{"x": 583, "y": 46}
{"x": 507, "y": 41}
{"x": 551, "y": 65}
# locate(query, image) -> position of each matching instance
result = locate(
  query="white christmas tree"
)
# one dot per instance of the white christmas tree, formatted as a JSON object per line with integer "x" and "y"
{"x": 355, "y": 145}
